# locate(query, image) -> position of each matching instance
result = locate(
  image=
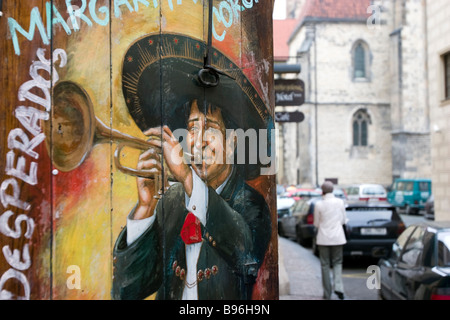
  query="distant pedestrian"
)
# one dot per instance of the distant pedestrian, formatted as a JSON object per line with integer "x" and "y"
{"x": 329, "y": 218}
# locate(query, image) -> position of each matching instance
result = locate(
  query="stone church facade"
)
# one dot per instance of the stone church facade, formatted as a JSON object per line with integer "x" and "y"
{"x": 367, "y": 114}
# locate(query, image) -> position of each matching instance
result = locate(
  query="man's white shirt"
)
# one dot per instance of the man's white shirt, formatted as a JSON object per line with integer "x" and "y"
{"x": 329, "y": 217}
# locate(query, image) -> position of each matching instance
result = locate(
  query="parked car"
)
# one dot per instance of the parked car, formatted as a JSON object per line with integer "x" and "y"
{"x": 340, "y": 193}
{"x": 429, "y": 208}
{"x": 301, "y": 193}
{"x": 306, "y": 194}
{"x": 366, "y": 192}
{"x": 299, "y": 223}
{"x": 280, "y": 189}
{"x": 371, "y": 229}
{"x": 283, "y": 207}
{"x": 410, "y": 194}
{"x": 419, "y": 265}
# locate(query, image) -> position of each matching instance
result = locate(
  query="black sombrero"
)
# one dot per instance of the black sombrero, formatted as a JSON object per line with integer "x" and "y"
{"x": 160, "y": 75}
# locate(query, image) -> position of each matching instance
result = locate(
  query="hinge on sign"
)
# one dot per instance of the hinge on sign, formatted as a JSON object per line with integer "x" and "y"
{"x": 209, "y": 76}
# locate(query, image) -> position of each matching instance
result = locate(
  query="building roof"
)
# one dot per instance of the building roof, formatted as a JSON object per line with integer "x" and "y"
{"x": 333, "y": 11}
{"x": 282, "y": 30}
{"x": 336, "y": 9}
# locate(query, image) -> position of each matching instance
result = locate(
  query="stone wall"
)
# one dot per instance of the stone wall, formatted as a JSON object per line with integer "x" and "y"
{"x": 394, "y": 94}
{"x": 438, "y": 32}
{"x": 339, "y": 96}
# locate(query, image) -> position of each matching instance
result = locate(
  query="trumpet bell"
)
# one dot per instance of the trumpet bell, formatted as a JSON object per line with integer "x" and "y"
{"x": 70, "y": 134}
{"x": 74, "y": 130}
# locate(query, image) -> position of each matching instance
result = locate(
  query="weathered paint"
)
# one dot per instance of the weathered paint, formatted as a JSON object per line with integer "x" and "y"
{"x": 58, "y": 228}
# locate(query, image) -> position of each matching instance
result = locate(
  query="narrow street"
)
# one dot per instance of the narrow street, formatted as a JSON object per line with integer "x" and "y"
{"x": 302, "y": 269}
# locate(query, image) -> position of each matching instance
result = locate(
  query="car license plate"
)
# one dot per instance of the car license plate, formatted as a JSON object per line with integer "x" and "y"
{"x": 373, "y": 231}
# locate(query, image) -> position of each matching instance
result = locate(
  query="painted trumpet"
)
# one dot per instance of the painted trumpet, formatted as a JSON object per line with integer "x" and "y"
{"x": 75, "y": 130}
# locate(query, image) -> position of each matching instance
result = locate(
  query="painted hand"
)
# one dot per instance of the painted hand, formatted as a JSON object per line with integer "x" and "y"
{"x": 149, "y": 189}
{"x": 174, "y": 157}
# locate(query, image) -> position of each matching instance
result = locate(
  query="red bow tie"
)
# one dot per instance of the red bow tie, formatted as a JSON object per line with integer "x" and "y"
{"x": 191, "y": 231}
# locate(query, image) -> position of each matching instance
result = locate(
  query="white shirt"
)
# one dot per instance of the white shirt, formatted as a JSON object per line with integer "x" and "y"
{"x": 329, "y": 217}
{"x": 198, "y": 205}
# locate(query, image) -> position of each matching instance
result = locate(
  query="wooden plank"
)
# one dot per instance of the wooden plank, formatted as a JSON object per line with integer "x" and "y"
{"x": 257, "y": 62}
{"x": 25, "y": 216}
{"x": 127, "y": 29}
{"x": 82, "y": 188}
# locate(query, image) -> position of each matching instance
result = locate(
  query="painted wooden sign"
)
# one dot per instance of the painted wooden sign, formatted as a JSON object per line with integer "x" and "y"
{"x": 289, "y": 92}
{"x": 137, "y": 150}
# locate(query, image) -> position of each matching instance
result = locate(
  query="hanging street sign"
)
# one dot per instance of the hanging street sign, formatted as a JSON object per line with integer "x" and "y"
{"x": 289, "y": 92}
{"x": 296, "y": 116}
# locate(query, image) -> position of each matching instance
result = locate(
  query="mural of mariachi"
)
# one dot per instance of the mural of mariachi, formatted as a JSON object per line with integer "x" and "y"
{"x": 139, "y": 150}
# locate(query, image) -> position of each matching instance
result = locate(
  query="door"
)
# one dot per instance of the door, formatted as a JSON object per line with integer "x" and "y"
{"x": 397, "y": 194}
{"x": 388, "y": 266}
{"x": 81, "y": 78}
{"x": 424, "y": 191}
{"x": 409, "y": 266}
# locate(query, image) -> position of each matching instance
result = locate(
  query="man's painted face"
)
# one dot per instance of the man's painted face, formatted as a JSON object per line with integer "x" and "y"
{"x": 207, "y": 142}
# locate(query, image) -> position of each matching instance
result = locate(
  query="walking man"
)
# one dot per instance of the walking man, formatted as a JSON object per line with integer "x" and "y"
{"x": 329, "y": 218}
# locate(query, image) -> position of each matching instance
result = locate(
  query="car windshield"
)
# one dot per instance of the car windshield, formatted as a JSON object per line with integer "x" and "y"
{"x": 374, "y": 190}
{"x": 443, "y": 247}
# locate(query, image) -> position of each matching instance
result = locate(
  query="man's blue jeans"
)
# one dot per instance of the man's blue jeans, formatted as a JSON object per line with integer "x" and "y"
{"x": 331, "y": 256}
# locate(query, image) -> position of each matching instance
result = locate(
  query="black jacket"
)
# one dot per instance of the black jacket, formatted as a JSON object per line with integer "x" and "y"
{"x": 235, "y": 239}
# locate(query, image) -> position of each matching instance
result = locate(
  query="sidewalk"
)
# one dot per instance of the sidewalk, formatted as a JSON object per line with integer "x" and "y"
{"x": 299, "y": 272}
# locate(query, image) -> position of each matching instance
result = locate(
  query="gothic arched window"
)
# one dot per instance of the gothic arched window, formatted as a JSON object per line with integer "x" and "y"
{"x": 360, "y": 63}
{"x": 361, "y": 121}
